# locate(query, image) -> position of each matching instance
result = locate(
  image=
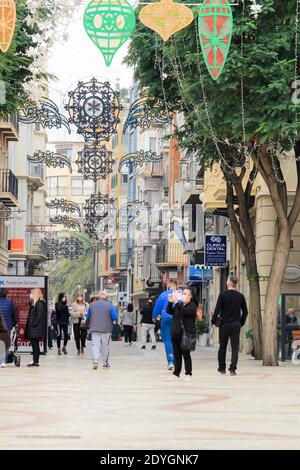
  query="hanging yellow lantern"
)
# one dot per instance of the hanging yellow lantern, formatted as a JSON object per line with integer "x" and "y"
{"x": 8, "y": 18}
{"x": 166, "y": 18}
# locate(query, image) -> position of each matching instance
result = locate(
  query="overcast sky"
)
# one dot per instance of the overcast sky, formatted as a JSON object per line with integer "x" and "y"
{"x": 79, "y": 59}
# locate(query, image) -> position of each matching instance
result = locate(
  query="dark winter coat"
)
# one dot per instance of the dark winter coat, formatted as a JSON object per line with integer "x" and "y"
{"x": 62, "y": 314}
{"x": 36, "y": 321}
{"x": 4, "y": 334}
{"x": 182, "y": 314}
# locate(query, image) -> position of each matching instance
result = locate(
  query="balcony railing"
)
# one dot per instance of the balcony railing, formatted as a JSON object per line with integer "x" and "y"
{"x": 170, "y": 254}
{"x": 36, "y": 171}
{"x": 14, "y": 120}
{"x": 39, "y": 247}
{"x": 8, "y": 183}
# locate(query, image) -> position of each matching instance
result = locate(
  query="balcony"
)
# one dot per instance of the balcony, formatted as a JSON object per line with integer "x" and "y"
{"x": 38, "y": 250}
{"x": 215, "y": 190}
{"x": 171, "y": 254}
{"x": 36, "y": 176}
{"x": 8, "y": 188}
{"x": 9, "y": 130}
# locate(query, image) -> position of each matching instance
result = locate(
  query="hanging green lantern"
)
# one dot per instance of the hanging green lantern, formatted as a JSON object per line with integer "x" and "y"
{"x": 109, "y": 23}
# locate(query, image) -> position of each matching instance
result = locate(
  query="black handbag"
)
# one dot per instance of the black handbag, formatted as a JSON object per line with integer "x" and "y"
{"x": 188, "y": 340}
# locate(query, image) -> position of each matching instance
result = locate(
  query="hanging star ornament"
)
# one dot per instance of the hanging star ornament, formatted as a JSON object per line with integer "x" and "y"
{"x": 7, "y": 23}
{"x": 109, "y": 23}
{"x": 215, "y": 31}
{"x": 166, "y": 17}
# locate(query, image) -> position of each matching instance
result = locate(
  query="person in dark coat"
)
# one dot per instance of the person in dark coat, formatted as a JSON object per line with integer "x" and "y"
{"x": 5, "y": 338}
{"x": 184, "y": 314}
{"x": 36, "y": 326}
{"x": 62, "y": 319}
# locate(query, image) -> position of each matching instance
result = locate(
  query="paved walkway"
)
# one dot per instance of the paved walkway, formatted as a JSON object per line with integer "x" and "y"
{"x": 66, "y": 405}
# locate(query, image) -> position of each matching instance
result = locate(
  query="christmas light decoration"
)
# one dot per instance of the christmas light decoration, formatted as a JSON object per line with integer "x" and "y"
{"x": 166, "y": 17}
{"x": 109, "y": 24}
{"x": 215, "y": 31}
{"x": 8, "y": 20}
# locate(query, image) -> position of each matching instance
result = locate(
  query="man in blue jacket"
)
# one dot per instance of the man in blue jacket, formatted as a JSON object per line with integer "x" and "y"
{"x": 8, "y": 310}
{"x": 160, "y": 309}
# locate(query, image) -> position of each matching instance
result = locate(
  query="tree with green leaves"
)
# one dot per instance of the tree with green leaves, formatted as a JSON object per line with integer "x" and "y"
{"x": 65, "y": 275}
{"x": 15, "y": 65}
{"x": 246, "y": 118}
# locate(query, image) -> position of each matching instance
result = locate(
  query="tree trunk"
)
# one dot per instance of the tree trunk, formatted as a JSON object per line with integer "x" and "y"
{"x": 255, "y": 309}
{"x": 280, "y": 260}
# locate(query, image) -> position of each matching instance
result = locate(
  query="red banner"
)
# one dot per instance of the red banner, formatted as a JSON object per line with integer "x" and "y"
{"x": 19, "y": 288}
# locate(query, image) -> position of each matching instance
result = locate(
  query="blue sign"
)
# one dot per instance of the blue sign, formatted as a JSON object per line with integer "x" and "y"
{"x": 199, "y": 274}
{"x": 215, "y": 250}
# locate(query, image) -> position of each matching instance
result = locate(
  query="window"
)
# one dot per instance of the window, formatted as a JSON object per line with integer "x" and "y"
{"x": 88, "y": 187}
{"x": 153, "y": 144}
{"x": 68, "y": 152}
{"x": 77, "y": 185}
{"x": 114, "y": 181}
{"x": 124, "y": 178}
{"x": 57, "y": 186}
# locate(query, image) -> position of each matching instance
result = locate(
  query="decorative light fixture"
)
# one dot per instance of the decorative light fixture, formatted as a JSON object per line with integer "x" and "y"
{"x": 51, "y": 159}
{"x": 72, "y": 248}
{"x": 64, "y": 205}
{"x": 45, "y": 113}
{"x": 96, "y": 209}
{"x": 94, "y": 108}
{"x": 66, "y": 221}
{"x": 95, "y": 161}
{"x": 142, "y": 115}
{"x": 215, "y": 31}
{"x": 109, "y": 24}
{"x": 166, "y": 17}
{"x": 138, "y": 158}
{"x": 52, "y": 250}
{"x": 99, "y": 246}
{"x": 7, "y": 223}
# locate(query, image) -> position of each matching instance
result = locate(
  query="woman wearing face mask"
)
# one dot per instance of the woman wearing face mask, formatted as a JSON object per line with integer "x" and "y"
{"x": 184, "y": 314}
{"x": 79, "y": 311}
{"x": 36, "y": 324}
{"x": 62, "y": 318}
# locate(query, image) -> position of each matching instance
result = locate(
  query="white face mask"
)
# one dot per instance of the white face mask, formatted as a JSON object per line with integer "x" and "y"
{"x": 64, "y": 299}
{"x": 30, "y": 297}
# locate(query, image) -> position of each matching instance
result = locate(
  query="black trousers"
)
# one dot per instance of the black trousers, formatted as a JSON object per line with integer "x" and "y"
{"x": 230, "y": 331}
{"x": 128, "y": 333}
{"x": 50, "y": 337}
{"x": 79, "y": 335}
{"x": 62, "y": 329}
{"x": 35, "y": 343}
{"x": 178, "y": 354}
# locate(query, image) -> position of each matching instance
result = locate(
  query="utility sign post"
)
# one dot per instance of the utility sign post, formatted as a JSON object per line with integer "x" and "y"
{"x": 215, "y": 250}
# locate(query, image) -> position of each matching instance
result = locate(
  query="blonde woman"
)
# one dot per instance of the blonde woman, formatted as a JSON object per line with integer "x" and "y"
{"x": 79, "y": 311}
{"x": 36, "y": 324}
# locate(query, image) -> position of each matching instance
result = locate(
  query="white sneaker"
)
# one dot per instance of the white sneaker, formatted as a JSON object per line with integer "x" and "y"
{"x": 126, "y": 344}
{"x": 173, "y": 378}
{"x": 2, "y": 365}
{"x": 171, "y": 367}
{"x": 187, "y": 378}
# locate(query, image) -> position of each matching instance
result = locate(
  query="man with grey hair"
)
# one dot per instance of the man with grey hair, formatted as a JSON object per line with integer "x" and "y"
{"x": 101, "y": 315}
{"x": 230, "y": 315}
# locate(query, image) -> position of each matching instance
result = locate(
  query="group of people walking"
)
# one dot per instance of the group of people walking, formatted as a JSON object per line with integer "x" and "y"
{"x": 176, "y": 311}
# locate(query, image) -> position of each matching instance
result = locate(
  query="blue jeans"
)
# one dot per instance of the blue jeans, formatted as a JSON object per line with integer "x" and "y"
{"x": 165, "y": 332}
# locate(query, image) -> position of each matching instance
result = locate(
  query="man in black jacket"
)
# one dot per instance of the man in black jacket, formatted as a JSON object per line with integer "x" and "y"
{"x": 230, "y": 314}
